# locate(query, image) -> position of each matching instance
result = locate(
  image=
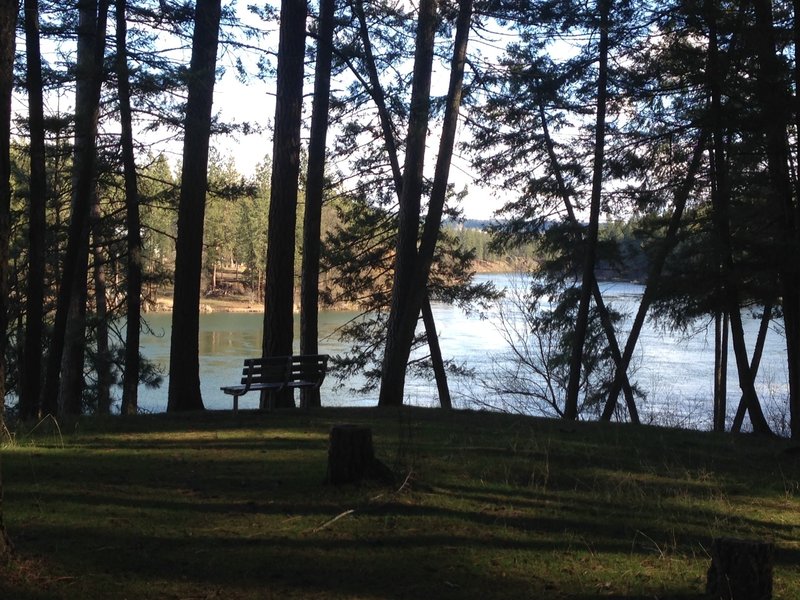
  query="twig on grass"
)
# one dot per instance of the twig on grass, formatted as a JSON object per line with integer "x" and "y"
{"x": 403, "y": 488}
{"x": 333, "y": 520}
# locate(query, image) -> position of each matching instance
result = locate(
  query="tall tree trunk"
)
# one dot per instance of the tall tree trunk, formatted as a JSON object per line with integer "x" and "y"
{"x": 315, "y": 183}
{"x": 412, "y": 267}
{"x": 602, "y": 309}
{"x": 720, "y": 370}
{"x": 774, "y": 103}
{"x": 184, "y": 352}
{"x": 401, "y": 313}
{"x": 130, "y": 380}
{"x": 31, "y": 375}
{"x": 433, "y": 220}
{"x": 758, "y": 351}
{"x": 374, "y": 88}
{"x": 720, "y": 200}
{"x": 656, "y": 267}
{"x": 441, "y": 176}
{"x": 590, "y": 239}
{"x": 279, "y": 292}
{"x": 64, "y": 376}
{"x": 103, "y": 357}
{"x": 8, "y": 22}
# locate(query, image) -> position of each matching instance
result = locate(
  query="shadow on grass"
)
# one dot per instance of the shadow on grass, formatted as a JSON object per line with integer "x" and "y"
{"x": 215, "y": 506}
{"x": 377, "y": 566}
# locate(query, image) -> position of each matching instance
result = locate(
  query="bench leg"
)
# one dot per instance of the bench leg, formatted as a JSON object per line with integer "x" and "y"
{"x": 235, "y": 404}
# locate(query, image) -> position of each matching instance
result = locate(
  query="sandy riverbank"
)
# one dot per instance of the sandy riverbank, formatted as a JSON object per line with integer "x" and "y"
{"x": 244, "y": 303}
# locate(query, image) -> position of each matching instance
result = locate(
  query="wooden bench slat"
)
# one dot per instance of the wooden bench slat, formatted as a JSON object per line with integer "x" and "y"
{"x": 275, "y": 373}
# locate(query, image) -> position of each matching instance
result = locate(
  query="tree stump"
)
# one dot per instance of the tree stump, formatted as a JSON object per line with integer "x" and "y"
{"x": 351, "y": 457}
{"x": 740, "y": 570}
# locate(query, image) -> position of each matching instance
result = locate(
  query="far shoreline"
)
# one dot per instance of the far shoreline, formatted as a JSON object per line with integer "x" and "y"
{"x": 246, "y": 303}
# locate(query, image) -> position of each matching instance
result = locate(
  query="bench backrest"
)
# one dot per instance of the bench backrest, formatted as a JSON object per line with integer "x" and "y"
{"x": 273, "y": 369}
{"x": 309, "y": 368}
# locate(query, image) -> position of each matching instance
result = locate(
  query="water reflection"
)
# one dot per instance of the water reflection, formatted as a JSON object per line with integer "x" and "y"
{"x": 676, "y": 371}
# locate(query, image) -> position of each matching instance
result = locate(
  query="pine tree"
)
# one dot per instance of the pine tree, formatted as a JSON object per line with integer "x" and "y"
{"x": 184, "y": 369}
{"x": 279, "y": 293}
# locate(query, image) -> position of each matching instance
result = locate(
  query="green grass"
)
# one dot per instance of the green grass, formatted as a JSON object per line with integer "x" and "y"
{"x": 486, "y": 506}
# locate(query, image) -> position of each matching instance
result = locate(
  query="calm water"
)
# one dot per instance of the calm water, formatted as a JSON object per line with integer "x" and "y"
{"x": 676, "y": 372}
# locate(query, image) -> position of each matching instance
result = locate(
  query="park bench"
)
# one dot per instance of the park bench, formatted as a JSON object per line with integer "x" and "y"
{"x": 276, "y": 373}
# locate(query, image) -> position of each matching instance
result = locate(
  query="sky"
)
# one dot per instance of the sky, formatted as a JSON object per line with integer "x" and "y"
{"x": 254, "y": 102}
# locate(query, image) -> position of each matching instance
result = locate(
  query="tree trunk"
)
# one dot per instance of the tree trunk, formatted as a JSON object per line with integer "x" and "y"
{"x": 758, "y": 351}
{"x": 184, "y": 364}
{"x": 71, "y": 383}
{"x": 103, "y": 358}
{"x": 279, "y": 292}
{"x": 130, "y": 381}
{"x": 720, "y": 200}
{"x": 656, "y": 267}
{"x": 774, "y": 101}
{"x": 590, "y": 240}
{"x": 720, "y": 370}
{"x": 351, "y": 456}
{"x": 441, "y": 176}
{"x": 315, "y": 184}
{"x": 412, "y": 267}
{"x": 402, "y": 316}
{"x": 436, "y": 355}
{"x": 740, "y": 570}
{"x": 8, "y": 21}
{"x": 605, "y": 318}
{"x": 64, "y": 376}
{"x": 375, "y": 90}
{"x": 31, "y": 368}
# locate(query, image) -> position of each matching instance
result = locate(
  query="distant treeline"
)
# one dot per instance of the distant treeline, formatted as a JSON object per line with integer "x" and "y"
{"x": 621, "y": 253}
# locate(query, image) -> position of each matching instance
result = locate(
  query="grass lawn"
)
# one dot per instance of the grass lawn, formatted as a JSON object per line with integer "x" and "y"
{"x": 485, "y": 506}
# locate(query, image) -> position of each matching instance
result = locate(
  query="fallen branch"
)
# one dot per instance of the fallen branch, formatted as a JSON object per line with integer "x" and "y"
{"x": 333, "y": 520}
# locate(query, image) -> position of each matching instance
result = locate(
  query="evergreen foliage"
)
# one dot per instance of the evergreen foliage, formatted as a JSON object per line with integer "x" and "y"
{"x": 691, "y": 173}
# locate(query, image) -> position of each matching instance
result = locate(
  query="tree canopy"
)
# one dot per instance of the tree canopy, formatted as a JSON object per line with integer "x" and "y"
{"x": 627, "y": 138}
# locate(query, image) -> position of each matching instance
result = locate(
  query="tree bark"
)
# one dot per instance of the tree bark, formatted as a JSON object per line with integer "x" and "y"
{"x": 8, "y": 22}
{"x": 590, "y": 240}
{"x": 402, "y": 316}
{"x": 605, "y": 317}
{"x": 720, "y": 200}
{"x": 439, "y": 371}
{"x": 31, "y": 369}
{"x": 103, "y": 357}
{"x": 740, "y": 570}
{"x": 656, "y": 267}
{"x": 376, "y": 92}
{"x": 351, "y": 456}
{"x": 758, "y": 352}
{"x": 774, "y": 100}
{"x": 130, "y": 381}
{"x": 720, "y": 370}
{"x": 279, "y": 292}
{"x": 412, "y": 266}
{"x": 184, "y": 365}
{"x": 315, "y": 184}
{"x": 64, "y": 376}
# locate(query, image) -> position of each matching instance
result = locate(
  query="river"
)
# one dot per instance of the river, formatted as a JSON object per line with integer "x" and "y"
{"x": 675, "y": 371}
